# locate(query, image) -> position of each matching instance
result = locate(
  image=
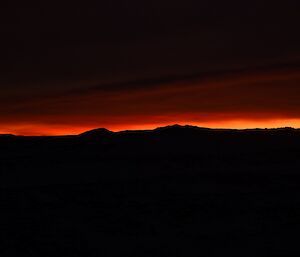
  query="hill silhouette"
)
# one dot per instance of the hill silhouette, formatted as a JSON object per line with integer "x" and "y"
{"x": 171, "y": 191}
{"x": 100, "y": 132}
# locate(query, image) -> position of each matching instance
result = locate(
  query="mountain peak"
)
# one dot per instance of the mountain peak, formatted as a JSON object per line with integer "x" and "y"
{"x": 97, "y": 132}
{"x": 177, "y": 127}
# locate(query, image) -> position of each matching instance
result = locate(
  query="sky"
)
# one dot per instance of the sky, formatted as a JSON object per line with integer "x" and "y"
{"x": 68, "y": 68}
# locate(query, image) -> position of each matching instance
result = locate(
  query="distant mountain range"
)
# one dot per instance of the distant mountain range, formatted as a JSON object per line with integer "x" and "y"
{"x": 165, "y": 149}
{"x": 169, "y": 129}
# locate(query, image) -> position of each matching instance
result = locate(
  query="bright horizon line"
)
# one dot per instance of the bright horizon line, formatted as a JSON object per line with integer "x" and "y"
{"x": 76, "y": 129}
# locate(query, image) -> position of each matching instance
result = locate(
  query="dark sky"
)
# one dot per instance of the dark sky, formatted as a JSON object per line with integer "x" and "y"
{"x": 135, "y": 64}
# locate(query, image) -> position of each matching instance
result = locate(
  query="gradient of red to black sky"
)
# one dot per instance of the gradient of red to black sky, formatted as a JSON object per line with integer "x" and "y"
{"x": 142, "y": 64}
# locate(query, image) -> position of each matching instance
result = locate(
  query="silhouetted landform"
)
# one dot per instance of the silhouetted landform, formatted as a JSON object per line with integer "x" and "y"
{"x": 173, "y": 191}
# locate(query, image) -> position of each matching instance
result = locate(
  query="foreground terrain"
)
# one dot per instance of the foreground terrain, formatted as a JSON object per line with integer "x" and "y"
{"x": 173, "y": 191}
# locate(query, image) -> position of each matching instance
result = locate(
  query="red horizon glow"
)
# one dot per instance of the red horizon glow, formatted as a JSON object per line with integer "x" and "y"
{"x": 45, "y": 130}
{"x": 237, "y": 101}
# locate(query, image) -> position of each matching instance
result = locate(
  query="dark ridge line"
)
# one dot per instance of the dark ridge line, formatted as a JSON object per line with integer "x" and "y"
{"x": 106, "y": 132}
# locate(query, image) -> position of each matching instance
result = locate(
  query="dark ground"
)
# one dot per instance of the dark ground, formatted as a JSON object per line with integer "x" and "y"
{"x": 175, "y": 191}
